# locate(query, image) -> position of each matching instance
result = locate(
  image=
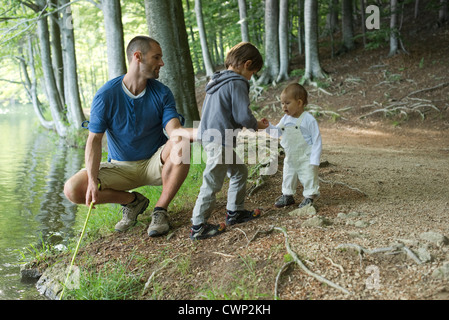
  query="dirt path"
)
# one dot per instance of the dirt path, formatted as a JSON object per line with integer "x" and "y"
{"x": 403, "y": 173}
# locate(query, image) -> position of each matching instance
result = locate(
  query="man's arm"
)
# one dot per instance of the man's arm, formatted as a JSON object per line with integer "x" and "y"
{"x": 93, "y": 159}
{"x": 175, "y": 131}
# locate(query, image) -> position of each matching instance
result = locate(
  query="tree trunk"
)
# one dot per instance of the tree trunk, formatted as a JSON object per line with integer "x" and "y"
{"x": 56, "y": 51}
{"x": 283, "y": 41}
{"x": 393, "y": 28}
{"x": 49, "y": 78}
{"x": 362, "y": 10}
{"x": 443, "y": 12}
{"x": 203, "y": 39}
{"x": 347, "y": 26}
{"x": 31, "y": 84}
{"x": 243, "y": 21}
{"x": 300, "y": 26}
{"x": 113, "y": 26}
{"x": 75, "y": 112}
{"x": 313, "y": 67}
{"x": 166, "y": 25}
{"x": 271, "y": 42}
{"x": 331, "y": 18}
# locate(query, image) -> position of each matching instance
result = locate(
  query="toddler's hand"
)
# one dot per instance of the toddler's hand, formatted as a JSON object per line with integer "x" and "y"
{"x": 263, "y": 123}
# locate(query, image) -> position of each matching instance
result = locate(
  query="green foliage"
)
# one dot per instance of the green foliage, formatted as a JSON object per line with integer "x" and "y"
{"x": 114, "y": 281}
{"x": 37, "y": 253}
{"x": 297, "y": 73}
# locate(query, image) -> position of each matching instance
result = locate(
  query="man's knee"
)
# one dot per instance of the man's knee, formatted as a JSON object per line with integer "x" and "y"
{"x": 178, "y": 152}
{"x": 73, "y": 191}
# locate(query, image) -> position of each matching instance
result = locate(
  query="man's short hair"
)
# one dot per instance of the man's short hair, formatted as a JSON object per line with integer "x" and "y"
{"x": 139, "y": 43}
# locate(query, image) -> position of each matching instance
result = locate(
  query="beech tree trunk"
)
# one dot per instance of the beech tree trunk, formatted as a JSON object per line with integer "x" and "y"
{"x": 271, "y": 71}
{"x": 166, "y": 25}
{"x": 56, "y": 50}
{"x": 313, "y": 67}
{"x": 49, "y": 78}
{"x": 203, "y": 39}
{"x": 31, "y": 83}
{"x": 394, "y": 48}
{"x": 283, "y": 41}
{"x": 243, "y": 21}
{"x": 75, "y": 113}
{"x": 113, "y": 26}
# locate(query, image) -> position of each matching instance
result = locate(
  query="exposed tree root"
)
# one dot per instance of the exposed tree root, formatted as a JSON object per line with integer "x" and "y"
{"x": 406, "y": 104}
{"x": 298, "y": 261}
{"x": 343, "y": 184}
{"x": 393, "y": 249}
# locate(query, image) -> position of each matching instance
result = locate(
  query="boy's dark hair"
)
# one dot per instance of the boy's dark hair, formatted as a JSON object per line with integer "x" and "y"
{"x": 139, "y": 43}
{"x": 296, "y": 91}
{"x": 243, "y": 52}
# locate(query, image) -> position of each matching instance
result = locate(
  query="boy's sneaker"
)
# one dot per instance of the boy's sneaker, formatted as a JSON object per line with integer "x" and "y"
{"x": 306, "y": 202}
{"x": 159, "y": 223}
{"x": 131, "y": 211}
{"x": 206, "y": 230}
{"x": 284, "y": 200}
{"x": 234, "y": 217}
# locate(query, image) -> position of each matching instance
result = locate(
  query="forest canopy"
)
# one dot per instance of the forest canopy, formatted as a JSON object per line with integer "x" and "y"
{"x": 55, "y": 54}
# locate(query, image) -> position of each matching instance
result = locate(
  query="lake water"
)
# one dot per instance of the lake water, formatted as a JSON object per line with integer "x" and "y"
{"x": 34, "y": 164}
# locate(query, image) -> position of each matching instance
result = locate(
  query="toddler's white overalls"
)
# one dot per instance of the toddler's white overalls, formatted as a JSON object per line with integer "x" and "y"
{"x": 297, "y": 162}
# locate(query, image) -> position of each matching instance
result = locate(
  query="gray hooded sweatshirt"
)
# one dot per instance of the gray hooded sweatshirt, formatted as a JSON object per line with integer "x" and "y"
{"x": 225, "y": 109}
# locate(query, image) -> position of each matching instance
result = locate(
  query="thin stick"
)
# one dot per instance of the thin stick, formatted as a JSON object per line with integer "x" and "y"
{"x": 76, "y": 249}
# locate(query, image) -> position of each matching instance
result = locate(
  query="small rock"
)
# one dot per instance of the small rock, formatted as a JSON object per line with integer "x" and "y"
{"x": 354, "y": 214}
{"x": 317, "y": 221}
{"x": 51, "y": 282}
{"x": 434, "y": 237}
{"x": 29, "y": 274}
{"x": 442, "y": 272}
{"x": 342, "y": 215}
{"x": 424, "y": 255}
{"x": 304, "y": 211}
{"x": 361, "y": 224}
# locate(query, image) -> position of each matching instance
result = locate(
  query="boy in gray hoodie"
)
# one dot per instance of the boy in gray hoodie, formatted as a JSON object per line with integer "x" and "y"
{"x": 225, "y": 112}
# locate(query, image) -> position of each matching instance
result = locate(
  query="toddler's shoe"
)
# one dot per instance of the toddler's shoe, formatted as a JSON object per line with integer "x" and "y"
{"x": 284, "y": 200}
{"x": 306, "y": 202}
{"x": 234, "y": 217}
{"x": 206, "y": 230}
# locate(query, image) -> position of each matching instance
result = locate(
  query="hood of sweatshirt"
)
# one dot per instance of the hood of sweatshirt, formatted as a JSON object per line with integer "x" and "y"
{"x": 220, "y": 78}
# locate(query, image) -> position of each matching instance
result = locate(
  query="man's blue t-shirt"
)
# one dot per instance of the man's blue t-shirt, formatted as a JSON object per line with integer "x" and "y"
{"x": 134, "y": 127}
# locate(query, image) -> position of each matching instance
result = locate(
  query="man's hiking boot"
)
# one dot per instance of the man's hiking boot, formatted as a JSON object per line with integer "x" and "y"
{"x": 284, "y": 200}
{"x": 159, "y": 225}
{"x": 206, "y": 230}
{"x": 234, "y": 217}
{"x": 131, "y": 211}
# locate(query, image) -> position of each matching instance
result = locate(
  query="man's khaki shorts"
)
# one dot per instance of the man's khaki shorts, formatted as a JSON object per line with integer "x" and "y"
{"x": 128, "y": 175}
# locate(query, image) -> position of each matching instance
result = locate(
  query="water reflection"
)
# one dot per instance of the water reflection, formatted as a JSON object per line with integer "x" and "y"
{"x": 34, "y": 165}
